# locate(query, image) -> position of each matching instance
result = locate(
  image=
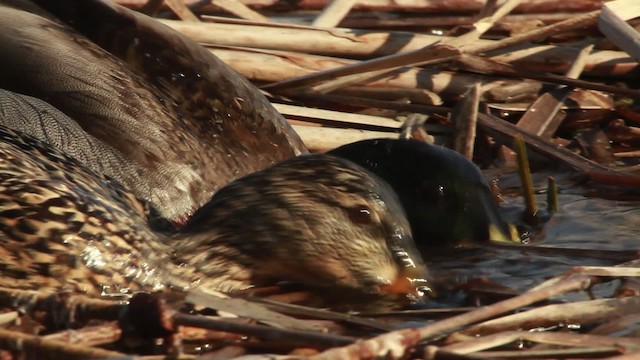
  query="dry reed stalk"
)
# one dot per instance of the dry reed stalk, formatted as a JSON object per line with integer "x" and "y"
{"x": 180, "y": 9}
{"x": 36, "y": 347}
{"x": 89, "y": 335}
{"x": 541, "y": 118}
{"x": 433, "y": 54}
{"x": 308, "y": 338}
{"x": 465, "y": 118}
{"x": 481, "y": 343}
{"x": 480, "y": 27}
{"x": 612, "y": 24}
{"x": 354, "y": 43}
{"x": 411, "y": 21}
{"x": 578, "y": 312}
{"x": 333, "y": 13}
{"x": 504, "y": 133}
{"x": 321, "y": 139}
{"x": 244, "y": 308}
{"x": 239, "y": 9}
{"x": 273, "y": 66}
{"x": 449, "y": 6}
{"x": 486, "y": 22}
{"x": 307, "y": 114}
{"x": 412, "y": 96}
{"x": 395, "y": 345}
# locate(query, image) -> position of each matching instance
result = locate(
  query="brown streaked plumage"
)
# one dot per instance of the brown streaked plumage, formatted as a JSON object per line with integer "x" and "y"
{"x": 160, "y": 113}
{"x": 314, "y": 219}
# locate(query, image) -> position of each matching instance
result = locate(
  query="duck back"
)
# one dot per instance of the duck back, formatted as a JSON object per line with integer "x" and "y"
{"x": 62, "y": 226}
{"x": 181, "y": 122}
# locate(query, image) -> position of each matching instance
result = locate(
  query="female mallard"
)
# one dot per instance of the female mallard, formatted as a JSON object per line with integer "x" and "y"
{"x": 315, "y": 219}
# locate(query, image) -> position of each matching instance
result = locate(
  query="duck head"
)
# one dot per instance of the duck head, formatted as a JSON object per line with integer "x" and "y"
{"x": 446, "y": 197}
{"x": 315, "y": 219}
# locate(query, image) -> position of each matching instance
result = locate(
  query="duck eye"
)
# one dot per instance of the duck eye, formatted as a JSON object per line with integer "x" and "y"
{"x": 432, "y": 191}
{"x": 360, "y": 215}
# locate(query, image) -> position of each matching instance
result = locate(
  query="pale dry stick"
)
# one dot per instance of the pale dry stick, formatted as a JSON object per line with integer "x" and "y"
{"x": 244, "y": 308}
{"x": 472, "y": 36}
{"x": 355, "y": 43}
{"x": 344, "y": 81}
{"x": 414, "y": 128}
{"x": 465, "y": 118}
{"x": 612, "y": 24}
{"x": 448, "y": 21}
{"x": 37, "y": 347}
{"x": 554, "y": 338}
{"x": 627, "y": 154}
{"x": 463, "y": 6}
{"x": 263, "y": 66}
{"x": 484, "y": 24}
{"x": 396, "y": 344}
{"x": 577, "y": 67}
{"x": 240, "y": 10}
{"x": 579, "y": 352}
{"x": 547, "y": 106}
{"x": 9, "y": 318}
{"x": 582, "y": 312}
{"x": 581, "y": 21}
{"x": 180, "y": 9}
{"x": 413, "y": 96}
{"x": 300, "y": 112}
{"x": 433, "y": 54}
{"x": 335, "y": 42}
{"x": 483, "y": 65}
{"x": 629, "y": 356}
{"x": 321, "y": 139}
{"x": 319, "y": 339}
{"x": 334, "y": 13}
{"x": 89, "y": 335}
{"x": 624, "y": 270}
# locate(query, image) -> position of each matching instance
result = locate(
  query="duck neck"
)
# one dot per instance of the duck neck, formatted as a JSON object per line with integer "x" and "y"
{"x": 212, "y": 264}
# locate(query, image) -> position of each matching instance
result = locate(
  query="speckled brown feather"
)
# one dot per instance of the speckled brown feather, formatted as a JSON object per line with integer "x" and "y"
{"x": 62, "y": 226}
{"x": 185, "y": 121}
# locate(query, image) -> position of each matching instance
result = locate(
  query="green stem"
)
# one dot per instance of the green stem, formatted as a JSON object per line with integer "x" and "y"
{"x": 525, "y": 176}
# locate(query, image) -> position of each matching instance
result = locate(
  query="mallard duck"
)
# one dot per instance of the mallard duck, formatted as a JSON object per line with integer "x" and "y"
{"x": 174, "y": 121}
{"x": 446, "y": 197}
{"x": 161, "y": 115}
{"x": 315, "y": 219}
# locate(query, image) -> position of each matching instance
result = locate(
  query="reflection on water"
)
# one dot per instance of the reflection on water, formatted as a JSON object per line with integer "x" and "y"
{"x": 582, "y": 223}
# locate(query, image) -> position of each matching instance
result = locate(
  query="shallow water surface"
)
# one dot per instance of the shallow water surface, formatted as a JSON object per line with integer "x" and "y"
{"x": 582, "y": 223}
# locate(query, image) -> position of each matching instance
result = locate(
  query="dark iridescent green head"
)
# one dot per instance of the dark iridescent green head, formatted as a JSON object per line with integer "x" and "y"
{"x": 446, "y": 197}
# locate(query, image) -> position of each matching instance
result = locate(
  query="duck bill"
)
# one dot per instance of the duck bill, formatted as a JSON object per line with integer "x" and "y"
{"x": 410, "y": 281}
{"x": 487, "y": 222}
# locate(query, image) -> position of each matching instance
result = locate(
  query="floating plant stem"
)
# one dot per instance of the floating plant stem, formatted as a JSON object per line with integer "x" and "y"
{"x": 525, "y": 177}
{"x": 552, "y": 195}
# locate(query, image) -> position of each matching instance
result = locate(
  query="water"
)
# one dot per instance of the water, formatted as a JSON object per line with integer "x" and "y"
{"x": 582, "y": 223}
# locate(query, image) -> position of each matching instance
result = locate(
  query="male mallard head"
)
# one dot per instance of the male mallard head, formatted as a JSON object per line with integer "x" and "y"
{"x": 446, "y": 197}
